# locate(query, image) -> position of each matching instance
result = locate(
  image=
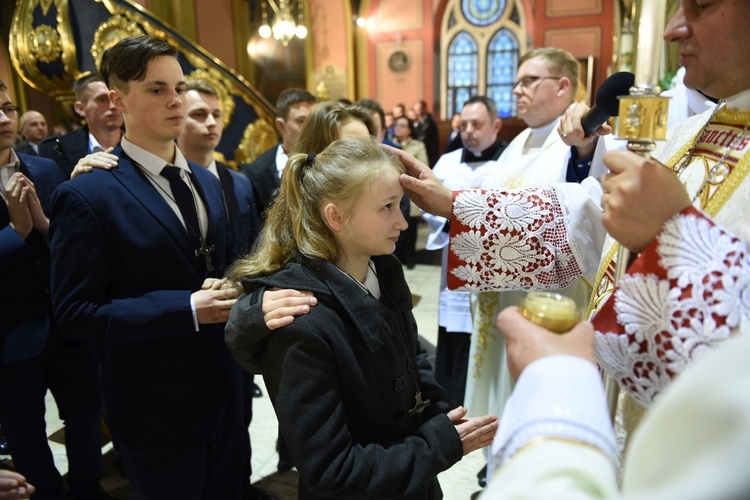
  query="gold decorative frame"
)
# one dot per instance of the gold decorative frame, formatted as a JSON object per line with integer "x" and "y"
{"x": 259, "y": 136}
{"x": 116, "y": 28}
{"x": 29, "y": 44}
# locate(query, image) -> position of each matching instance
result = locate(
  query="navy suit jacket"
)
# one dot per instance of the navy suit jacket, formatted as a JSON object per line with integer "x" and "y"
{"x": 264, "y": 177}
{"x": 242, "y": 210}
{"x": 66, "y": 149}
{"x": 24, "y": 266}
{"x": 26, "y": 149}
{"x": 123, "y": 271}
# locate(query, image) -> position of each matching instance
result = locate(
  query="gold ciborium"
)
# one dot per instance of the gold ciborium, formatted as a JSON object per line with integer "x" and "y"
{"x": 552, "y": 311}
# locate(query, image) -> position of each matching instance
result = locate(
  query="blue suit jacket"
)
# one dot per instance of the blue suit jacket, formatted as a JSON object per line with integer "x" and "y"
{"x": 24, "y": 266}
{"x": 66, "y": 149}
{"x": 123, "y": 271}
{"x": 241, "y": 207}
{"x": 264, "y": 178}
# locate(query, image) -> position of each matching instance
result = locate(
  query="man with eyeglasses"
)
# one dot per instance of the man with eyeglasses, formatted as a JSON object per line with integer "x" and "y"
{"x": 674, "y": 332}
{"x": 34, "y": 356}
{"x": 546, "y": 87}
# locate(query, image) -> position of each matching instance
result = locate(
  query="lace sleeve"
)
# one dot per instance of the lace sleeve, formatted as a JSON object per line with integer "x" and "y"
{"x": 689, "y": 290}
{"x": 511, "y": 240}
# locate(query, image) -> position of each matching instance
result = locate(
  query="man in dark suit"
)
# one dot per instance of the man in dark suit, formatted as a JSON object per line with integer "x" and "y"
{"x": 426, "y": 130}
{"x": 33, "y": 127}
{"x": 137, "y": 252}
{"x": 34, "y": 356}
{"x": 292, "y": 107}
{"x": 203, "y": 129}
{"x": 103, "y": 127}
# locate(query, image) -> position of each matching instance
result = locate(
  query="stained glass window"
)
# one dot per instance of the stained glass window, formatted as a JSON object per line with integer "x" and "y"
{"x": 481, "y": 42}
{"x": 463, "y": 71}
{"x": 502, "y": 61}
{"x": 482, "y": 12}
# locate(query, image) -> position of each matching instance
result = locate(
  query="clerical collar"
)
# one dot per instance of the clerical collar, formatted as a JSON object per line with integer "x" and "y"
{"x": 739, "y": 102}
{"x": 491, "y": 153}
{"x": 149, "y": 161}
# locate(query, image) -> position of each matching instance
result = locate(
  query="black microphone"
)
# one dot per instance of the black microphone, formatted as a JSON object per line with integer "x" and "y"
{"x": 607, "y": 103}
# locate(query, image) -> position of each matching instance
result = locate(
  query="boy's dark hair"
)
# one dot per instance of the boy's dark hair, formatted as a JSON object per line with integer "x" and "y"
{"x": 290, "y": 97}
{"x": 128, "y": 59}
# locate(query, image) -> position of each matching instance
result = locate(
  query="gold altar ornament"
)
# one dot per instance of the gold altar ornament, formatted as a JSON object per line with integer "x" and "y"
{"x": 643, "y": 117}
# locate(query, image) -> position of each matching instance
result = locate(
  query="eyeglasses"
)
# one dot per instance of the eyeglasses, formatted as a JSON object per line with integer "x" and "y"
{"x": 9, "y": 110}
{"x": 528, "y": 81}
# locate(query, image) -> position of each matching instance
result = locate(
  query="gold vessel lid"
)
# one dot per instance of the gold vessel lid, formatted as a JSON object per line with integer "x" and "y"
{"x": 552, "y": 311}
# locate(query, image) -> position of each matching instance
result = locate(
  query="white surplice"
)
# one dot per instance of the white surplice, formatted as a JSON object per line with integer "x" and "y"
{"x": 693, "y": 444}
{"x": 664, "y": 316}
{"x": 536, "y": 157}
{"x": 454, "y": 309}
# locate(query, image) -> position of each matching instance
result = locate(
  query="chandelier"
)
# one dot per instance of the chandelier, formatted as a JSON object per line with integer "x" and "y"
{"x": 283, "y": 28}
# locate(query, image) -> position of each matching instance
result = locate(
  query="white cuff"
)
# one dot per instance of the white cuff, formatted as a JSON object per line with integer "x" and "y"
{"x": 195, "y": 314}
{"x": 555, "y": 396}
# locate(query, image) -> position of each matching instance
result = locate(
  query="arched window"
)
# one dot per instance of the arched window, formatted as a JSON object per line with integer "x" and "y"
{"x": 502, "y": 63}
{"x": 463, "y": 70}
{"x": 480, "y": 41}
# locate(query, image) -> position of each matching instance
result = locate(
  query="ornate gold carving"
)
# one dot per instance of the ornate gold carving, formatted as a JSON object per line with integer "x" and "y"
{"x": 44, "y": 44}
{"x": 213, "y": 77}
{"x": 321, "y": 92}
{"x": 45, "y": 5}
{"x": 31, "y": 44}
{"x": 259, "y": 136}
{"x": 112, "y": 31}
{"x": 643, "y": 118}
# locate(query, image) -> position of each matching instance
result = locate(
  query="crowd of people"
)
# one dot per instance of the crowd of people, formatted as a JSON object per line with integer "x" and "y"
{"x": 150, "y": 288}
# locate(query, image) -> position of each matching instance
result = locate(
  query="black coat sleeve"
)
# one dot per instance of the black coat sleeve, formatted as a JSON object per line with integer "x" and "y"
{"x": 246, "y": 331}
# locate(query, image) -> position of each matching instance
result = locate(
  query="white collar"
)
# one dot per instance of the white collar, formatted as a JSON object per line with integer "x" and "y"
{"x": 281, "y": 159}
{"x": 739, "y": 102}
{"x": 213, "y": 168}
{"x": 93, "y": 144}
{"x": 149, "y": 161}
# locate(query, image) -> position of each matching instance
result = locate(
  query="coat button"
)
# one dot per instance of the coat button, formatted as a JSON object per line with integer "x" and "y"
{"x": 398, "y": 385}
{"x": 409, "y": 366}
{"x": 399, "y": 414}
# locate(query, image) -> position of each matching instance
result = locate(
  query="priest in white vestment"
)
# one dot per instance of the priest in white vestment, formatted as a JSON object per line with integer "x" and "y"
{"x": 665, "y": 312}
{"x": 465, "y": 168}
{"x": 547, "y": 83}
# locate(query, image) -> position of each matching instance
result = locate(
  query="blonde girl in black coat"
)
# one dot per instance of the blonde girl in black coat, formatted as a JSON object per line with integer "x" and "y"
{"x": 356, "y": 399}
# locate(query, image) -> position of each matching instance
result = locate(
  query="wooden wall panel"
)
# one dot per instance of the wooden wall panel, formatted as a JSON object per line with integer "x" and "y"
{"x": 557, "y": 8}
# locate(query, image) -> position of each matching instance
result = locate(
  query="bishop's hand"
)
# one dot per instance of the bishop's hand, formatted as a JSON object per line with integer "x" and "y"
{"x": 640, "y": 195}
